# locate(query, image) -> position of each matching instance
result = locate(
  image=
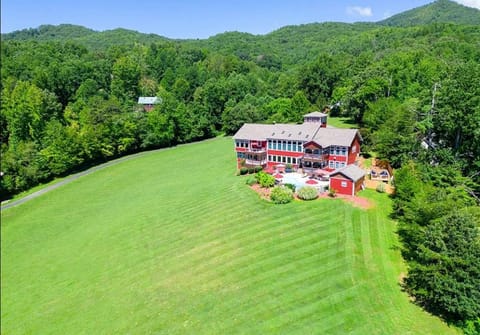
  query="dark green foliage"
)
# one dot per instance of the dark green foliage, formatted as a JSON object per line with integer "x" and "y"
{"x": 445, "y": 275}
{"x": 307, "y": 193}
{"x": 441, "y": 241}
{"x": 281, "y": 195}
{"x": 243, "y": 170}
{"x": 258, "y": 168}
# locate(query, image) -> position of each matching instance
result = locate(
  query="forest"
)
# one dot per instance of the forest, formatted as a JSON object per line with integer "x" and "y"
{"x": 70, "y": 102}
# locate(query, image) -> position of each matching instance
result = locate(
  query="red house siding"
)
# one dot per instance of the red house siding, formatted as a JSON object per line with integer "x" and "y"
{"x": 336, "y": 184}
{"x": 350, "y": 187}
{"x": 337, "y": 158}
{"x": 352, "y": 156}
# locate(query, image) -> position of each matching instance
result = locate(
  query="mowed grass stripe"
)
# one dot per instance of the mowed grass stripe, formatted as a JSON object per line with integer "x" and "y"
{"x": 171, "y": 243}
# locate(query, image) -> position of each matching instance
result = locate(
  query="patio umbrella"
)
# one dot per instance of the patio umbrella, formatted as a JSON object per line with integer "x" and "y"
{"x": 311, "y": 182}
{"x": 278, "y": 176}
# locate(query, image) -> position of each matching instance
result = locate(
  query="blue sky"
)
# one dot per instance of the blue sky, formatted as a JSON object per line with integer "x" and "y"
{"x": 200, "y": 18}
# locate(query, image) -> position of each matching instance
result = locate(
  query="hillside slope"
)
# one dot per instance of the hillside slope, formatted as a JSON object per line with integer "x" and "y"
{"x": 440, "y": 11}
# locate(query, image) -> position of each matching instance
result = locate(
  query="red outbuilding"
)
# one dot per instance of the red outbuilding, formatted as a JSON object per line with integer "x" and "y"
{"x": 348, "y": 180}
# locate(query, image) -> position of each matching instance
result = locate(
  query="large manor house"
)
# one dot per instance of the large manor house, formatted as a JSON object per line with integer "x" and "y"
{"x": 310, "y": 145}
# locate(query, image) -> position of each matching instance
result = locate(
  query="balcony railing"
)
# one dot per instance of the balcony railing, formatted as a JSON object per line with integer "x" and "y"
{"x": 257, "y": 150}
{"x": 316, "y": 157}
{"x": 254, "y": 162}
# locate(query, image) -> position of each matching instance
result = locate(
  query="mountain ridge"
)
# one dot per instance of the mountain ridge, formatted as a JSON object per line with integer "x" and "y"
{"x": 439, "y": 11}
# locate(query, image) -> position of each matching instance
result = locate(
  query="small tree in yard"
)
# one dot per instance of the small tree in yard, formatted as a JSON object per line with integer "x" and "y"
{"x": 281, "y": 195}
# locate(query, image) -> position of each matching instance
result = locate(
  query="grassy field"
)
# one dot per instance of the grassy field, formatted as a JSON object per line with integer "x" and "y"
{"x": 174, "y": 243}
{"x": 341, "y": 122}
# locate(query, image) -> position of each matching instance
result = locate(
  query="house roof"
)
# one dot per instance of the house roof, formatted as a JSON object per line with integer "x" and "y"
{"x": 306, "y": 132}
{"x": 315, "y": 114}
{"x": 295, "y": 132}
{"x": 149, "y": 100}
{"x": 253, "y": 131}
{"x": 335, "y": 136}
{"x": 352, "y": 172}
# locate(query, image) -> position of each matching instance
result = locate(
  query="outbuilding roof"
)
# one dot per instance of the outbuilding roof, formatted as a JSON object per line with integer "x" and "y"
{"x": 352, "y": 172}
{"x": 149, "y": 100}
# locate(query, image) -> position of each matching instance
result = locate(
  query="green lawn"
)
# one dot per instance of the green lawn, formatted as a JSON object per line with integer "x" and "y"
{"x": 341, "y": 122}
{"x": 174, "y": 243}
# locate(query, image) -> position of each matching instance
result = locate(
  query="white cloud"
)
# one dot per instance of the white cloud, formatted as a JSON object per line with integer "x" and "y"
{"x": 470, "y": 3}
{"x": 362, "y": 11}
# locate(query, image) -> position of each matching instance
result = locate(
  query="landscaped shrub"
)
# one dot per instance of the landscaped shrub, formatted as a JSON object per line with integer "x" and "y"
{"x": 290, "y": 186}
{"x": 281, "y": 195}
{"x": 308, "y": 193}
{"x": 264, "y": 179}
{"x": 332, "y": 193}
{"x": 381, "y": 188}
{"x": 243, "y": 170}
{"x": 250, "y": 180}
{"x": 258, "y": 169}
{"x": 251, "y": 170}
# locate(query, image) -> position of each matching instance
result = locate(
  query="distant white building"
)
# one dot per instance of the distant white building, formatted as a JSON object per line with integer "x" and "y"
{"x": 149, "y": 102}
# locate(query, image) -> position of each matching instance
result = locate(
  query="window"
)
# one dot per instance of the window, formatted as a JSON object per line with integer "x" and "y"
{"x": 344, "y": 151}
{"x": 289, "y": 160}
{"x": 337, "y": 165}
{"x": 284, "y": 145}
{"x": 331, "y": 164}
{"x": 344, "y": 184}
{"x": 284, "y": 160}
{"x": 289, "y": 147}
{"x": 269, "y": 144}
{"x": 294, "y": 160}
{"x": 342, "y": 164}
{"x": 269, "y": 158}
{"x": 299, "y": 147}
{"x": 240, "y": 155}
{"x": 332, "y": 150}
